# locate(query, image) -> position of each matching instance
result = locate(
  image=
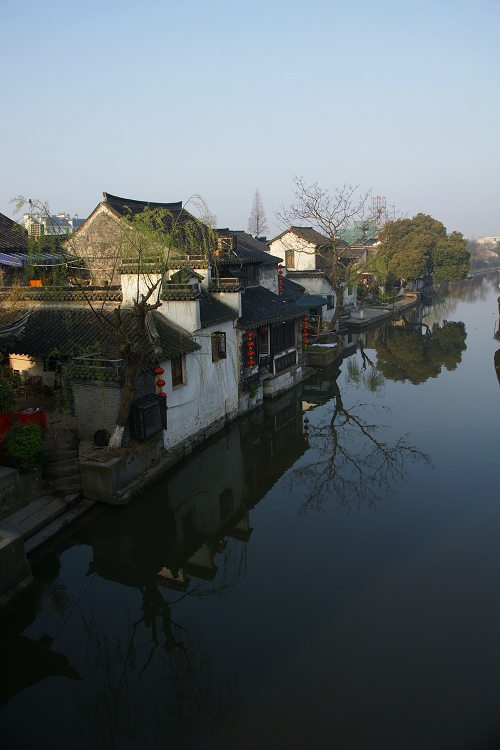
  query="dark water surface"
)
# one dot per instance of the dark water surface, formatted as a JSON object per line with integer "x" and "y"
{"x": 324, "y": 574}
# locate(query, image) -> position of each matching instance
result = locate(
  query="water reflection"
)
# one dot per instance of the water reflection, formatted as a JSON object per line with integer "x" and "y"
{"x": 351, "y": 465}
{"x": 445, "y": 297}
{"x": 148, "y": 670}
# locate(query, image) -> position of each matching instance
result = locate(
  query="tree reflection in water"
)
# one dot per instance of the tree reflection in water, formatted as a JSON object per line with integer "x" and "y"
{"x": 415, "y": 352}
{"x": 352, "y": 466}
{"x": 151, "y": 679}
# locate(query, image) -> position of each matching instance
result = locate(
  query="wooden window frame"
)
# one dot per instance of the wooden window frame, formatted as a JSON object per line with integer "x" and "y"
{"x": 290, "y": 254}
{"x": 219, "y": 346}
{"x": 178, "y": 374}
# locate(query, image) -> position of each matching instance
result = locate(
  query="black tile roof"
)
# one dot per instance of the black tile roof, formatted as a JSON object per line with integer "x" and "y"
{"x": 73, "y": 332}
{"x": 293, "y": 275}
{"x": 292, "y": 290}
{"x": 195, "y": 233}
{"x": 125, "y": 206}
{"x": 261, "y": 306}
{"x": 246, "y": 249}
{"x": 308, "y": 234}
{"x": 12, "y": 235}
{"x": 213, "y": 311}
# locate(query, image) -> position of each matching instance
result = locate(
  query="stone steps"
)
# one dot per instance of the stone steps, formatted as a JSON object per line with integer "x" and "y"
{"x": 40, "y": 513}
{"x": 56, "y": 526}
{"x": 60, "y": 470}
{"x": 60, "y": 455}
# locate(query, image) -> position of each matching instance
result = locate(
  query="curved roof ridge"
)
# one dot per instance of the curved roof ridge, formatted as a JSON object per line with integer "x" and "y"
{"x": 117, "y": 202}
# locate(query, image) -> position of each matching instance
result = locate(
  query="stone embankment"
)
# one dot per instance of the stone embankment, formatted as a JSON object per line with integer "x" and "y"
{"x": 362, "y": 318}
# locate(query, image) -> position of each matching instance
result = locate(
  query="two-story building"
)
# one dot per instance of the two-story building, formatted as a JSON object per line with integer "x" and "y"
{"x": 307, "y": 257}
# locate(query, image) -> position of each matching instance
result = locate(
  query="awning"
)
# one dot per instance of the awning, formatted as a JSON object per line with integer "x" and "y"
{"x": 10, "y": 260}
{"x": 311, "y": 300}
{"x": 18, "y": 260}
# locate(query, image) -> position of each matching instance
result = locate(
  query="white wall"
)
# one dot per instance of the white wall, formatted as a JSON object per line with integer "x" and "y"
{"x": 134, "y": 285}
{"x": 231, "y": 299}
{"x": 269, "y": 277}
{"x": 211, "y": 390}
{"x": 305, "y": 252}
{"x": 184, "y": 313}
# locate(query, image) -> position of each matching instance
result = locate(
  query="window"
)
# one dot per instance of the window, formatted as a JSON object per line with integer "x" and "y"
{"x": 283, "y": 336}
{"x": 251, "y": 277}
{"x": 225, "y": 503}
{"x": 218, "y": 346}
{"x": 331, "y": 301}
{"x": 290, "y": 258}
{"x": 177, "y": 371}
{"x": 263, "y": 341}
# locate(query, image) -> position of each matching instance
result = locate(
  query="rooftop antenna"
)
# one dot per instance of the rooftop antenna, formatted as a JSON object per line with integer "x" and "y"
{"x": 379, "y": 209}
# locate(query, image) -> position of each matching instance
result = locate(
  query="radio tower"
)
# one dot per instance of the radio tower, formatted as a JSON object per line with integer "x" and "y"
{"x": 379, "y": 209}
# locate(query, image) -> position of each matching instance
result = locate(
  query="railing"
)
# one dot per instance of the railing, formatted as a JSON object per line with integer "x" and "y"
{"x": 285, "y": 361}
{"x": 180, "y": 291}
{"x": 62, "y": 294}
{"x": 96, "y": 368}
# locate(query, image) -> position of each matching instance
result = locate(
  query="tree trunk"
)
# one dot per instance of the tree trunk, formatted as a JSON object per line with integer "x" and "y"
{"x": 132, "y": 370}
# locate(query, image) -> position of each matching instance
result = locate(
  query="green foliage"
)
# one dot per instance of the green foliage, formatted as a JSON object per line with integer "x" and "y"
{"x": 412, "y": 247}
{"x": 254, "y": 389}
{"x": 8, "y": 398}
{"x": 24, "y": 445}
{"x": 407, "y": 354}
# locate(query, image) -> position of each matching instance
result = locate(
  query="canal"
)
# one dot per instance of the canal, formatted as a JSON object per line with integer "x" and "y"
{"x": 323, "y": 574}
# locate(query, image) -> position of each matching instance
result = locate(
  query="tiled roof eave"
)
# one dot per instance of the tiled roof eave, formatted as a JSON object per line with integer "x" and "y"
{"x": 209, "y": 323}
{"x": 267, "y": 320}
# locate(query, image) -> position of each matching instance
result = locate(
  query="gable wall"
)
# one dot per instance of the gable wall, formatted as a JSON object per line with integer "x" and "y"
{"x": 97, "y": 241}
{"x": 305, "y": 252}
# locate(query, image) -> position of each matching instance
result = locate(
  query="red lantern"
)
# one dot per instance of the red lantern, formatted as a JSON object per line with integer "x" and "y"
{"x": 159, "y": 370}
{"x": 305, "y": 320}
{"x": 163, "y": 395}
{"x": 160, "y": 383}
{"x": 250, "y": 335}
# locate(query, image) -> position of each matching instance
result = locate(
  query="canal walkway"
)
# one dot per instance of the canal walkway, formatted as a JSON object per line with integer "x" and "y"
{"x": 362, "y": 318}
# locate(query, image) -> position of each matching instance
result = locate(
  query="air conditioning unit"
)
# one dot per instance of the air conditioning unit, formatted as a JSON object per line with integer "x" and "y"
{"x": 148, "y": 416}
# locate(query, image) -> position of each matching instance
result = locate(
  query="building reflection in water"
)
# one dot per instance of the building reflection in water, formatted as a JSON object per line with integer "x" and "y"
{"x": 187, "y": 537}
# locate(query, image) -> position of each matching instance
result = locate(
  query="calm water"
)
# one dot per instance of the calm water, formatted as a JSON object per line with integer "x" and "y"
{"x": 324, "y": 574}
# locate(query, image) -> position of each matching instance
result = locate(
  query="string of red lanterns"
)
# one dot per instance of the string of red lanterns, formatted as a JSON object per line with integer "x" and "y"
{"x": 280, "y": 278}
{"x": 250, "y": 349}
{"x": 160, "y": 383}
{"x": 305, "y": 331}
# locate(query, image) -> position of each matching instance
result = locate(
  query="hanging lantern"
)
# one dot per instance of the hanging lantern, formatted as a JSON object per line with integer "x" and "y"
{"x": 250, "y": 335}
{"x": 159, "y": 370}
{"x": 160, "y": 383}
{"x": 163, "y": 395}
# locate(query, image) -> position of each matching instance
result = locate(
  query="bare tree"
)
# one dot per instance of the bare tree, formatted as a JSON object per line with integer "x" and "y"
{"x": 257, "y": 222}
{"x": 331, "y": 214}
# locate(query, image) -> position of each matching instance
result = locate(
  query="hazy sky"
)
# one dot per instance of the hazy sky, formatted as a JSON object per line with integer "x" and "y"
{"x": 157, "y": 100}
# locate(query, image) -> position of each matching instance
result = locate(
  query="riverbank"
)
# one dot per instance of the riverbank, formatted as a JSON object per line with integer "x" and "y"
{"x": 366, "y": 317}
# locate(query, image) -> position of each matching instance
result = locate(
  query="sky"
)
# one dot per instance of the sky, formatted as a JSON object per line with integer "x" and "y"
{"x": 161, "y": 100}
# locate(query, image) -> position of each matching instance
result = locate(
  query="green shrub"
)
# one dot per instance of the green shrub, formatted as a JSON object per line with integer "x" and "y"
{"x": 23, "y": 443}
{"x": 8, "y": 398}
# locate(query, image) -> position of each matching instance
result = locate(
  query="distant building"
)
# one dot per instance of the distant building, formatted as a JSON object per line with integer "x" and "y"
{"x": 58, "y": 224}
{"x": 488, "y": 240}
